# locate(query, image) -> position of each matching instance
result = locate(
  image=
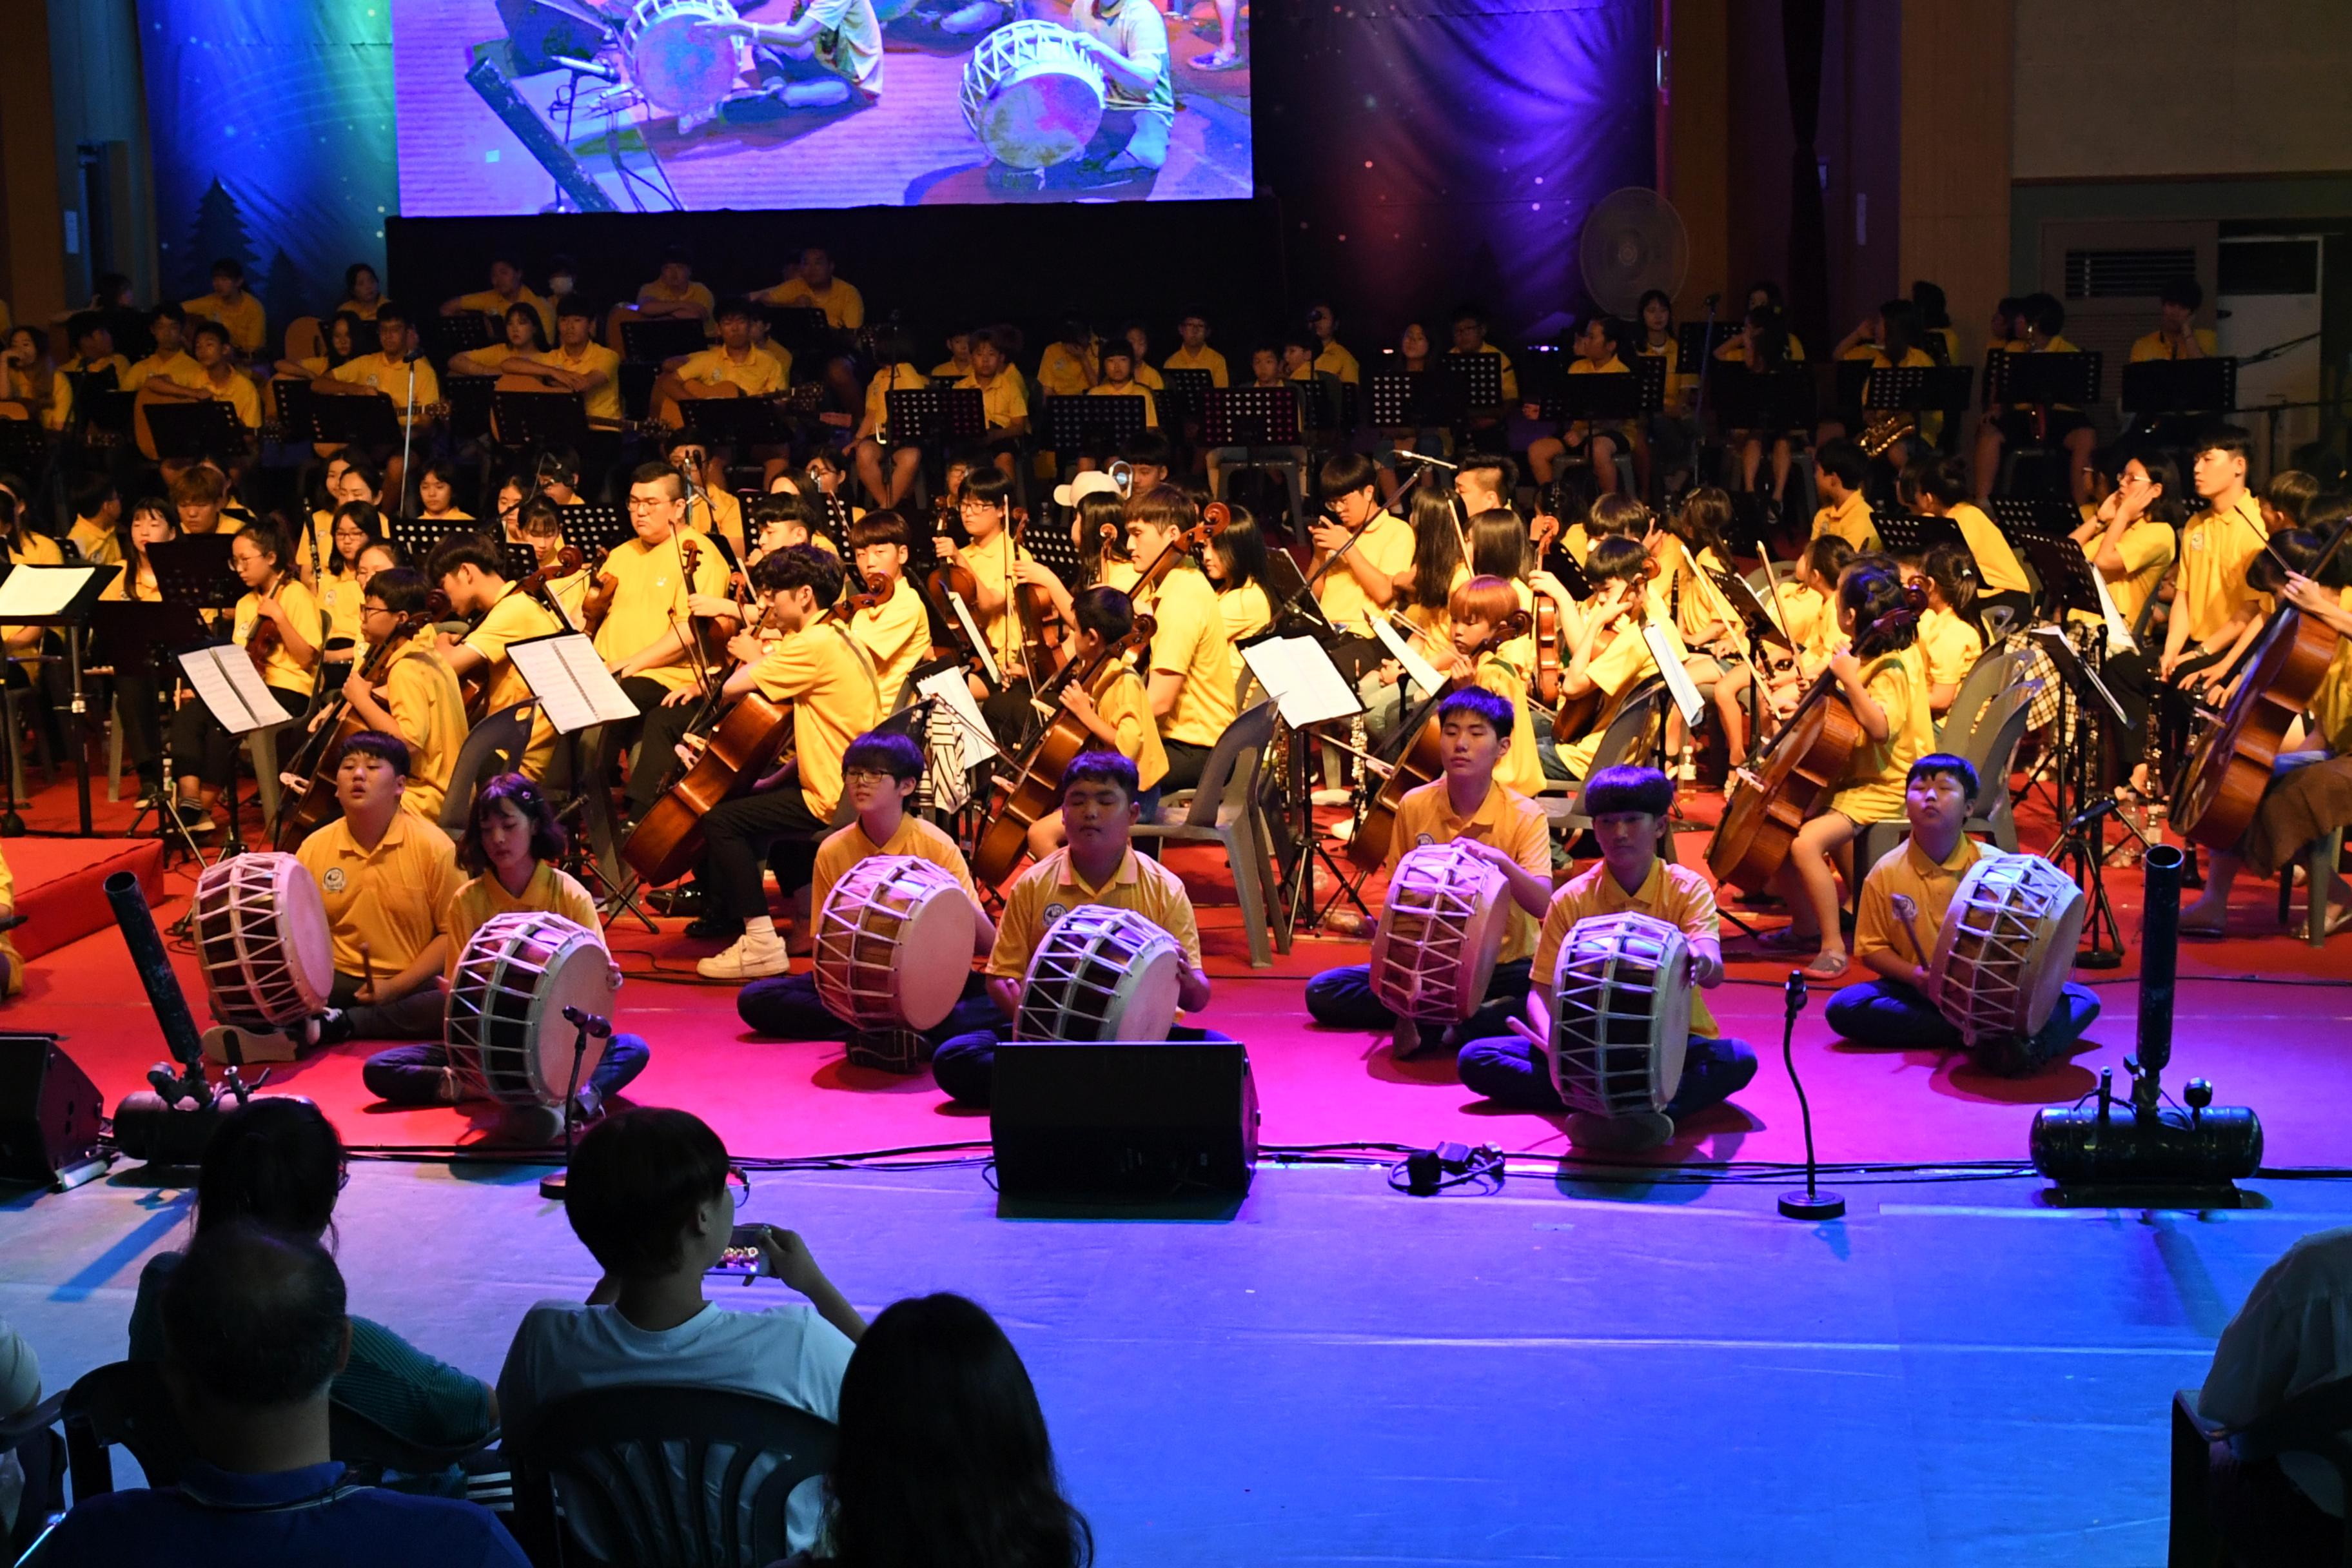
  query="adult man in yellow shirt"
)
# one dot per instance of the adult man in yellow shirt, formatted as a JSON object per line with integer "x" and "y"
{"x": 472, "y": 572}
{"x": 232, "y": 306}
{"x": 813, "y": 286}
{"x": 166, "y": 323}
{"x": 646, "y": 637}
{"x": 879, "y": 774}
{"x": 1193, "y": 334}
{"x": 578, "y": 362}
{"x": 1191, "y": 678}
{"x": 819, "y": 669}
{"x": 385, "y": 875}
{"x": 506, "y": 289}
{"x": 1099, "y": 867}
{"x": 419, "y": 700}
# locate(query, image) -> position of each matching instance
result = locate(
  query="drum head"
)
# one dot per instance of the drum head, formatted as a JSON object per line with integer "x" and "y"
{"x": 581, "y": 977}
{"x": 887, "y": 942}
{"x": 1147, "y": 1005}
{"x": 1620, "y": 1015}
{"x": 2007, "y": 946}
{"x": 504, "y": 1024}
{"x": 1100, "y": 973}
{"x": 309, "y": 944}
{"x": 673, "y": 69}
{"x": 1031, "y": 95}
{"x": 933, "y": 960}
{"x": 1433, "y": 955}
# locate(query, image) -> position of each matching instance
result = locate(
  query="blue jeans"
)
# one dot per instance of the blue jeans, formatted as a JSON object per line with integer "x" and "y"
{"x": 1342, "y": 998}
{"x": 412, "y": 1074}
{"x": 965, "y": 1067}
{"x": 786, "y": 1007}
{"x": 1890, "y": 1016}
{"x": 1509, "y": 1071}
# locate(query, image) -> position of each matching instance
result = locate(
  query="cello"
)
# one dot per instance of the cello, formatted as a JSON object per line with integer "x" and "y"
{"x": 1421, "y": 762}
{"x": 309, "y": 801}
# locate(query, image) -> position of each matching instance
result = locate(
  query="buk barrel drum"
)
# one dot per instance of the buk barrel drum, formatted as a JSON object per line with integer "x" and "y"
{"x": 1620, "y": 1015}
{"x": 262, "y": 939}
{"x": 2006, "y": 947}
{"x": 675, "y": 69}
{"x": 504, "y": 1026}
{"x": 1433, "y": 955}
{"x": 1100, "y": 973}
{"x": 893, "y": 946}
{"x": 1031, "y": 94}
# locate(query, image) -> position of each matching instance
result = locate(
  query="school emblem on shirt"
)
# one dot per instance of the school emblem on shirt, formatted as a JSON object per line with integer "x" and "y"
{"x": 333, "y": 881}
{"x": 1056, "y": 911}
{"x": 1425, "y": 838}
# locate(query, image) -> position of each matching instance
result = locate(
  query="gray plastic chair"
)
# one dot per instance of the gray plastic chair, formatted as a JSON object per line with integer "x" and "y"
{"x": 1224, "y": 810}
{"x": 1628, "y": 734}
{"x": 1992, "y": 751}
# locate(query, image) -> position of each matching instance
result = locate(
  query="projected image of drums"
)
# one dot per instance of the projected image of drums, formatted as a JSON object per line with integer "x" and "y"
{"x": 1032, "y": 95}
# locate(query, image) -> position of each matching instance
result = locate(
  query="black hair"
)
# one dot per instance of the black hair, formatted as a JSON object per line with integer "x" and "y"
{"x": 385, "y": 311}
{"x": 351, "y": 277}
{"x": 1345, "y": 473}
{"x": 2233, "y": 439}
{"x": 229, "y": 266}
{"x": 255, "y": 1318}
{"x": 208, "y": 327}
{"x": 2045, "y": 314}
{"x": 386, "y": 748}
{"x": 1479, "y": 702}
{"x": 2185, "y": 292}
{"x": 1242, "y": 544}
{"x": 403, "y": 589}
{"x": 1468, "y": 310}
{"x": 1616, "y": 559}
{"x": 1935, "y": 762}
{"x": 779, "y": 506}
{"x": 731, "y": 306}
{"x": 944, "y": 1455}
{"x": 1773, "y": 298}
{"x": 1506, "y": 471}
{"x": 1886, "y": 611}
{"x": 275, "y": 1160}
{"x": 1096, "y": 765}
{"x": 1771, "y": 339}
{"x": 169, "y": 310}
{"x": 655, "y": 473}
{"x": 1098, "y": 512}
{"x": 573, "y": 305}
{"x": 1628, "y": 788}
{"x": 531, "y": 312}
{"x": 987, "y": 485}
{"x": 1642, "y": 308}
{"x": 1610, "y": 329}
{"x": 1927, "y": 299}
{"x": 800, "y": 566}
{"x": 466, "y": 550}
{"x": 1945, "y": 480}
{"x": 1953, "y": 570}
{"x": 1148, "y": 447}
{"x": 1844, "y": 459}
{"x": 547, "y": 837}
{"x": 2172, "y": 505}
{"x": 1436, "y": 547}
{"x": 637, "y": 1180}
{"x": 266, "y": 535}
{"x": 882, "y": 527}
{"x": 1499, "y": 544}
{"x": 886, "y": 751}
{"x": 82, "y": 324}
{"x": 1107, "y": 611}
{"x": 2290, "y": 493}
{"x": 90, "y": 493}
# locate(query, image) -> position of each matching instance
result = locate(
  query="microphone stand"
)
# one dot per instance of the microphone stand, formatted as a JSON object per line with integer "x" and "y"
{"x": 1813, "y": 1202}
{"x": 586, "y": 1024}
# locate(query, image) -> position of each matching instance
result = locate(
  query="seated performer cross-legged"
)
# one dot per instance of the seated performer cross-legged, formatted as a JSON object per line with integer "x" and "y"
{"x": 1923, "y": 871}
{"x": 879, "y": 774}
{"x": 1626, "y": 805}
{"x": 1100, "y": 866}
{"x": 512, "y": 842}
{"x": 1501, "y": 826}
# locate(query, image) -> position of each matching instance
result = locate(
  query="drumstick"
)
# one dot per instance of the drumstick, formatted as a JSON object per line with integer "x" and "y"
{"x": 367, "y": 971}
{"x": 1908, "y": 908}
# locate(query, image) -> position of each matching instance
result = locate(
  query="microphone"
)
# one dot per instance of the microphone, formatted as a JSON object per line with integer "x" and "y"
{"x": 581, "y": 1018}
{"x": 1426, "y": 457}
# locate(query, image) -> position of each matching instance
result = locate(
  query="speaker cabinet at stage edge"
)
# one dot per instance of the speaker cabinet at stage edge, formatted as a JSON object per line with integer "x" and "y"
{"x": 1139, "y": 1120}
{"x": 49, "y": 1115}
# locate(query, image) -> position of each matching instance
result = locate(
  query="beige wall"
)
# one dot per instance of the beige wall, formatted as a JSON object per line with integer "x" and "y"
{"x": 32, "y": 244}
{"x": 1956, "y": 156}
{"x": 2113, "y": 89}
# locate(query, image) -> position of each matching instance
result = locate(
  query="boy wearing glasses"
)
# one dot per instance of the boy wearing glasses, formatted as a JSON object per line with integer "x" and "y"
{"x": 419, "y": 700}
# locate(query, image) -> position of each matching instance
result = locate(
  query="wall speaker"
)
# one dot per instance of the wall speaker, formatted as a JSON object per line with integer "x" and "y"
{"x": 49, "y": 1114}
{"x": 1146, "y": 1120}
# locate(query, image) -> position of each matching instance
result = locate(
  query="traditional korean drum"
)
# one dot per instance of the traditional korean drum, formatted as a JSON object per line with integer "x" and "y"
{"x": 1433, "y": 955}
{"x": 1031, "y": 94}
{"x": 2006, "y": 947}
{"x": 676, "y": 69}
{"x": 893, "y": 946}
{"x": 1620, "y": 1015}
{"x": 1100, "y": 973}
{"x": 504, "y": 1026}
{"x": 262, "y": 939}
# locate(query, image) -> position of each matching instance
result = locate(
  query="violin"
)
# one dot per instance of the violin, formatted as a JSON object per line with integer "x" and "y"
{"x": 1420, "y": 761}
{"x": 1576, "y": 716}
{"x": 598, "y": 601}
{"x": 1042, "y": 632}
{"x": 567, "y": 561}
{"x": 262, "y": 643}
{"x": 309, "y": 801}
{"x": 949, "y": 576}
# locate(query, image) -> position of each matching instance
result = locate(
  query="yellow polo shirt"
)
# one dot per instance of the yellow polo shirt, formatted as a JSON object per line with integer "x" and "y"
{"x": 247, "y": 325}
{"x": 991, "y": 564}
{"x": 660, "y": 293}
{"x": 1066, "y": 373}
{"x": 1675, "y": 894}
{"x": 1387, "y": 544}
{"x": 551, "y": 890}
{"x": 1052, "y": 889}
{"x": 490, "y": 302}
{"x": 1190, "y": 641}
{"x": 1612, "y": 367}
{"x": 603, "y": 402}
{"x": 2214, "y": 550}
{"x": 1520, "y": 768}
{"x": 97, "y": 544}
{"x": 516, "y": 617}
{"x": 1906, "y": 870}
{"x": 1997, "y": 564}
{"x": 392, "y": 377}
{"x": 1334, "y": 360}
{"x": 650, "y": 597}
{"x": 1123, "y": 703}
{"x": 60, "y": 412}
{"x": 177, "y": 365}
{"x": 757, "y": 373}
{"x": 1952, "y": 647}
{"x": 1204, "y": 358}
{"x": 1003, "y": 400}
{"x": 1247, "y": 612}
{"x": 340, "y": 597}
{"x": 390, "y": 897}
{"x": 709, "y": 509}
{"x": 1871, "y": 790}
{"x": 429, "y": 712}
{"x": 1850, "y": 520}
{"x": 1617, "y": 669}
{"x": 1506, "y": 819}
{"x": 1132, "y": 389}
{"x": 2331, "y": 706}
{"x": 842, "y": 305}
{"x": 830, "y": 684}
{"x": 303, "y": 609}
{"x": 847, "y": 845}
{"x": 2156, "y": 345}
{"x": 2147, "y": 547}
{"x": 896, "y": 635}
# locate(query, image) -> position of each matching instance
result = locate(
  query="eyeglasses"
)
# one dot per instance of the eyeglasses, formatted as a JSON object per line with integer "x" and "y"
{"x": 866, "y": 776}
{"x": 739, "y": 1185}
{"x": 647, "y": 503}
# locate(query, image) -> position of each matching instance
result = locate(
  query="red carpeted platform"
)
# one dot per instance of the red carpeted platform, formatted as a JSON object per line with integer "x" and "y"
{"x": 60, "y": 885}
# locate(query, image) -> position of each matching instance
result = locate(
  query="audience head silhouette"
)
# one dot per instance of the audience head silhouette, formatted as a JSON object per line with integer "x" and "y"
{"x": 645, "y": 1188}
{"x": 277, "y": 1162}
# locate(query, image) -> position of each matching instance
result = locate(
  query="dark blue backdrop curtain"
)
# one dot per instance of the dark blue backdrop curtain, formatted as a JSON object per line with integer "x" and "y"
{"x": 1440, "y": 150}
{"x": 1802, "y": 23}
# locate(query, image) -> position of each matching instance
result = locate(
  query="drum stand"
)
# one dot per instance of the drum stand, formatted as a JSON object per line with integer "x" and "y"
{"x": 587, "y": 1023}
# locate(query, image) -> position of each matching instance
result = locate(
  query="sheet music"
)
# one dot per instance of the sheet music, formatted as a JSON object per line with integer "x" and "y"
{"x": 568, "y": 677}
{"x": 1679, "y": 681}
{"x": 975, "y": 745}
{"x": 30, "y": 590}
{"x": 232, "y": 689}
{"x": 1305, "y": 686}
{"x": 1418, "y": 670}
{"x": 2119, "y": 638}
{"x": 972, "y": 629}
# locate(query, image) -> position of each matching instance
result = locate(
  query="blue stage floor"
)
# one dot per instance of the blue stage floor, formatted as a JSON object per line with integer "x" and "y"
{"x": 1951, "y": 1377}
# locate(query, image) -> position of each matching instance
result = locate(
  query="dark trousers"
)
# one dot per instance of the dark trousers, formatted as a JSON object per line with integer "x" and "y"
{"x": 659, "y": 731}
{"x": 142, "y": 725}
{"x": 1342, "y": 998}
{"x": 415, "y": 1017}
{"x": 965, "y": 1067}
{"x": 412, "y": 1075}
{"x": 1891, "y": 1016}
{"x": 1185, "y": 762}
{"x": 738, "y": 836}
{"x": 1509, "y": 1071}
{"x": 785, "y": 1008}
{"x": 202, "y": 749}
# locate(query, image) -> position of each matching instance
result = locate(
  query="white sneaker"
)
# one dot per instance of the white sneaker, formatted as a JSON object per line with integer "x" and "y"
{"x": 751, "y": 958}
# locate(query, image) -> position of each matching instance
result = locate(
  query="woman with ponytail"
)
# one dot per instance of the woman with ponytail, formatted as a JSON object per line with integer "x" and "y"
{"x": 277, "y": 1163}
{"x": 1882, "y": 675}
{"x": 1949, "y": 637}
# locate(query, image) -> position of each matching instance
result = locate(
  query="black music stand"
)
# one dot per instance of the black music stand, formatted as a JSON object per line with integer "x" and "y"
{"x": 1908, "y": 534}
{"x": 591, "y": 527}
{"x": 2022, "y": 518}
{"x": 545, "y": 420}
{"x": 469, "y": 405}
{"x": 24, "y": 445}
{"x": 522, "y": 561}
{"x": 1052, "y": 546}
{"x": 2044, "y": 379}
{"x": 2082, "y": 848}
{"x": 458, "y": 333}
{"x": 741, "y": 423}
{"x": 1187, "y": 396}
{"x": 1697, "y": 340}
{"x": 1607, "y": 398}
{"x": 193, "y": 573}
{"x": 1771, "y": 402}
{"x": 364, "y": 420}
{"x": 126, "y": 634}
{"x": 663, "y": 338}
{"x": 418, "y": 536}
{"x": 1919, "y": 389}
{"x": 106, "y": 416}
{"x": 197, "y": 432}
{"x": 936, "y": 416}
{"x": 1087, "y": 424}
{"x": 68, "y": 618}
{"x": 1479, "y": 376}
{"x": 296, "y": 422}
{"x": 2181, "y": 387}
{"x": 1252, "y": 416}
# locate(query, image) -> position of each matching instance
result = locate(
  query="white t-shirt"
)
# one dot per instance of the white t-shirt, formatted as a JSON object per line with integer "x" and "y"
{"x": 787, "y": 1354}
{"x": 2294, "y": 1332}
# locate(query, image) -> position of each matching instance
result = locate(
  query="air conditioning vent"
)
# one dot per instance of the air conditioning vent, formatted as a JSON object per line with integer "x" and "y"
{"x": 2126, "y": 274}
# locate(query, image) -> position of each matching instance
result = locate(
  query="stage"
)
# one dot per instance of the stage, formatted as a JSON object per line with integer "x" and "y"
{"x": 1341, "y": 1374}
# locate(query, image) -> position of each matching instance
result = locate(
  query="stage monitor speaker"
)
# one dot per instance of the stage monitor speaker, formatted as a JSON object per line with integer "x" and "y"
{"x": 49, "y": 1114}
{"x": 1144, "y": 1119}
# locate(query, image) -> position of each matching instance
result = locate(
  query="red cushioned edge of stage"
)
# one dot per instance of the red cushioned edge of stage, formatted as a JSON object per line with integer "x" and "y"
{"x": 61, "y": 885}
